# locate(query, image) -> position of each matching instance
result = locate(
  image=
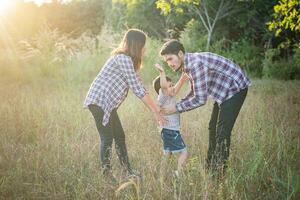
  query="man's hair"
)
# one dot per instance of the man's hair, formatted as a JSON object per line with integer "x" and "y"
{"x": 172, "y": 47}
{"x": 156, "y": 83}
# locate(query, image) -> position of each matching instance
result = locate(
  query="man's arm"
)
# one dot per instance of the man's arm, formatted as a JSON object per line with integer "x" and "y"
{"x": 199, "y": 86}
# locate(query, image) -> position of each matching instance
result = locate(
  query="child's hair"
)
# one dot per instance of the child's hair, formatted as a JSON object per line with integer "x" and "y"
{"x": 172, "y": 47}
{"x": 156, "y": 83}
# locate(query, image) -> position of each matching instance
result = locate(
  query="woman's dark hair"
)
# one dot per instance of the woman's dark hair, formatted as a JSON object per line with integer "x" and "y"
{"x": 132, "y": 44}
{"x": 156, "y": 83}
{"x": 172, "y": 47}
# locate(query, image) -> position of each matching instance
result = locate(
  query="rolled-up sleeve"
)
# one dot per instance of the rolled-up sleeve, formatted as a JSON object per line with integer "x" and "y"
{"x": 199, "y": 89}
{"x": 131, "y": 76}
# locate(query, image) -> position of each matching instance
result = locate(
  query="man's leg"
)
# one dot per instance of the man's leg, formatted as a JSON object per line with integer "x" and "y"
{"x": 228, "y": 113}
{"x": 212, "y": 136}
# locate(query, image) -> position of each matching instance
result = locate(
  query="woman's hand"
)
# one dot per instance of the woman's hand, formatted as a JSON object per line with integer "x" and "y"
{"x": 154, "y": 108}
{"x": 159, "y": 119}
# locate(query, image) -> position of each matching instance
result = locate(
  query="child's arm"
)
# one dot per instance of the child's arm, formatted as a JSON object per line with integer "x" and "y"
{"x": 163, "y": 79}
{"x": 184, "y": 77}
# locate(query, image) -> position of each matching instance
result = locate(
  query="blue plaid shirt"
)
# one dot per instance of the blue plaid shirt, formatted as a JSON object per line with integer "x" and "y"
{"x": 110, "y": 87}
{"x": 211, "y": 75}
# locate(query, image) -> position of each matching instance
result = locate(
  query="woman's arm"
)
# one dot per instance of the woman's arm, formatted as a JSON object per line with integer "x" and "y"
{"x": 148, "y": 101}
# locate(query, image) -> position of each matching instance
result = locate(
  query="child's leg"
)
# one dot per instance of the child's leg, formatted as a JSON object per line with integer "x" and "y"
{"x": 165, "y": 162}
{"x": 182, "y": 160}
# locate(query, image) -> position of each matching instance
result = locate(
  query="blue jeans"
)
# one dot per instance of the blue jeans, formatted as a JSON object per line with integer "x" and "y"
{"x": 172, "y": 141}
{"x": 112, "y": 131}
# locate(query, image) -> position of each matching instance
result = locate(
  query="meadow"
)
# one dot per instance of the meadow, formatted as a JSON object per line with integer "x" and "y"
{"x": 49, "y": 147}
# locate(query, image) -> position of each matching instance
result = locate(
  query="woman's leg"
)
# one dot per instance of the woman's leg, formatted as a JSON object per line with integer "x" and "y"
{"x": 106, "y": 137}
{"x": 120, "y": 144}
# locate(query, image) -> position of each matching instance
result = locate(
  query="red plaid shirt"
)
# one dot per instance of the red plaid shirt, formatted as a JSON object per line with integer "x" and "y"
{"x": 211, "y": 75}
{"x": 110, "y": 87}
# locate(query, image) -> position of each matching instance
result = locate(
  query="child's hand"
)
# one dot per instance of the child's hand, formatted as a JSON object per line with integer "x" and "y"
{"x": 159, "y": 68}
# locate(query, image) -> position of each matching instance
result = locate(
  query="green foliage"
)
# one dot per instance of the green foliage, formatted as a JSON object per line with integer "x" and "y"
{"x": 286, "y": 17}
{"x": 243, "y": 52}
{"x": 281, "y": 68}
{"x": 247, "y": 55}
{"x": 247, "y": 22}
{"x": 138, "y": 14}
{"x": 75, "y": 17}
{"x": 193, "y": 37}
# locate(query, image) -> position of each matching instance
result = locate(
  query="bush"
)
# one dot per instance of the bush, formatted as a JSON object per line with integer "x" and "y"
{"x": 248, "y": 56}
{"x": 281, "y": 69}
{"x": 193, "y": 38}
{"x": 242, "y": 52}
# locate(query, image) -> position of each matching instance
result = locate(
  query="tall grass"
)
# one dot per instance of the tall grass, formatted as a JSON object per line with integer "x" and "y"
{"x": 49, "y": 145}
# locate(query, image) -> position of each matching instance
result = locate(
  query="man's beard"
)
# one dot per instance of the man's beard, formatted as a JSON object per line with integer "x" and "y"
{"x": 179, "y": 68}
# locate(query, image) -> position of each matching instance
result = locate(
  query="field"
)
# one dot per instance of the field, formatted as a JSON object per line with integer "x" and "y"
{"x": 49, "y": 147}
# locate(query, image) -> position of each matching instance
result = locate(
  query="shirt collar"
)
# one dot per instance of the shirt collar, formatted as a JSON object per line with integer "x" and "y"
{"x": 187, "y": 59}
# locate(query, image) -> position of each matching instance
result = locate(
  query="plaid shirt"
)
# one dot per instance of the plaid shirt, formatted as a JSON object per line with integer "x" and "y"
{"x": 110, "y": 87}
{"x": 211, "y": 75}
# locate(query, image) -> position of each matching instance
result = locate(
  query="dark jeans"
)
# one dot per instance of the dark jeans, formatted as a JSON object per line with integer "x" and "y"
{"x": 112, "y": 131}
{"x": 221, "y": 123}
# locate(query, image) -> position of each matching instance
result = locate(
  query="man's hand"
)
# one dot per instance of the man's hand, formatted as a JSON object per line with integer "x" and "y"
{"x": 168, "y": 110}
{"x": 159, "y": 68}
{"x": 184, "y": 77}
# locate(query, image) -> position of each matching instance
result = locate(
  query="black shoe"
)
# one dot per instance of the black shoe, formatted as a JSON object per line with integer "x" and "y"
{"x": 109, "y": 177}
{"x": 131, "y": 173}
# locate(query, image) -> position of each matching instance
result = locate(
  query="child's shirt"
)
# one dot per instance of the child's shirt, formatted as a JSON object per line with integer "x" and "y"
{"x": 173, "y": 120}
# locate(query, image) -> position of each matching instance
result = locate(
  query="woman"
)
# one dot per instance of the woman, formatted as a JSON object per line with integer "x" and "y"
{"x": 108, "y": 91}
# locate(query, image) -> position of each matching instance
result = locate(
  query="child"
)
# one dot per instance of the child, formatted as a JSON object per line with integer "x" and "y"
{"x": 170, "y": 131}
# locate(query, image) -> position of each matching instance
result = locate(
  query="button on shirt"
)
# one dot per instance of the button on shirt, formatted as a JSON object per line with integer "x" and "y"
{"x": 110, "y": 87}
{"x": 211, "y": 75}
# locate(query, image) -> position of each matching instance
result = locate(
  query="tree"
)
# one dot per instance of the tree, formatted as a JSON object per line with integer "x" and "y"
{"x": 75, "y": 17}
{"x": 286, "y": 17}
{"x": 286, "y": 24}
{"x": 138, "y": 14}
{"x": 208, "y": 13}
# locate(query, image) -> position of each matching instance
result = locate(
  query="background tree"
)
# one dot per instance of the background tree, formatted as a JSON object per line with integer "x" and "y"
{"x": 208, "y": 13}
{"x": 285, "y": 23}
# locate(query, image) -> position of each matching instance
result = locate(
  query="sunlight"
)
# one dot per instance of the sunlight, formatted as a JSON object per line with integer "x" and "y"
{"x": 4, "y": 5}
{"x": 38, "y": 2}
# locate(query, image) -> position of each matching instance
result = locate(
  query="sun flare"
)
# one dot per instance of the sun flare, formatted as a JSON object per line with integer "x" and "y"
{"x": 4, "y": 5}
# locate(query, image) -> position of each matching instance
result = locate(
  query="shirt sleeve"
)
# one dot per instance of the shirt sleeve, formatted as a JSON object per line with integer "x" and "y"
{"x": 132, "y": 78}
{"x": 189, "y": 94}
{"x": 198, "y": 95}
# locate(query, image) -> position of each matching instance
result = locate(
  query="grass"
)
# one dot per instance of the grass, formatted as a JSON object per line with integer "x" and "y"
{"x": 49, "y": 147}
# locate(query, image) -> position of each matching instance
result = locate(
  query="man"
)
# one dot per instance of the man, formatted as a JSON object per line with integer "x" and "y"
{"x": 221, "y": 79}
